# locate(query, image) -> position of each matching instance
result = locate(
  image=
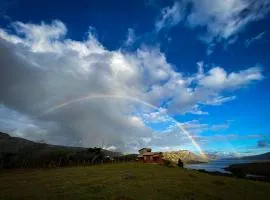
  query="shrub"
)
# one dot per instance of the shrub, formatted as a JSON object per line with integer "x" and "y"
{"x": 180, "y": 163}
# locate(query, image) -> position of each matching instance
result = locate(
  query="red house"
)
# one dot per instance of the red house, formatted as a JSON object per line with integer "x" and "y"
{"x": 147, "y": 156}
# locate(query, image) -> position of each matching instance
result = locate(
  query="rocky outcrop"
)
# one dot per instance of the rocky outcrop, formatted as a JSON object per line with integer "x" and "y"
{"x": 186, "y": 156}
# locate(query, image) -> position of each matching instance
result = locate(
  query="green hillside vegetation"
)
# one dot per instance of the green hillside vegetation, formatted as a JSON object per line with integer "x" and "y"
{"x": 125, "y": 181}
{"x": 21, "y": 153}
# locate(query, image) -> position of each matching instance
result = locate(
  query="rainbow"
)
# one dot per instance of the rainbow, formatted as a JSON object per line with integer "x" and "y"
{"x": 95, "y": 96}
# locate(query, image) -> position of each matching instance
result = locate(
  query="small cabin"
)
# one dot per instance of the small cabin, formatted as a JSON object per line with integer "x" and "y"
{"x": 147, "y": 156}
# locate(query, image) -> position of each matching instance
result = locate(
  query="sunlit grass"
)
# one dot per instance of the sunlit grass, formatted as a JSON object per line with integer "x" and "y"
{"x": 132, "y": 181}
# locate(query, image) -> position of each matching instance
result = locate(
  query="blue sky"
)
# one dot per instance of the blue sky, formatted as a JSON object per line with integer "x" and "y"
{"x": 201, "y": 65}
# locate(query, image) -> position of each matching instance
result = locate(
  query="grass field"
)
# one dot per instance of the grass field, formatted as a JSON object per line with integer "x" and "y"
{"x": 125, "y": 181}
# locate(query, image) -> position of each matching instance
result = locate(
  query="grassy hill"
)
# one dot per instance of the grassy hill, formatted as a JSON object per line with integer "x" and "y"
{"x": 10, "y": 144}
{"x": 125, "y": 181}
{"x": 186, "y": 156}
{"x": 17, "y": 152}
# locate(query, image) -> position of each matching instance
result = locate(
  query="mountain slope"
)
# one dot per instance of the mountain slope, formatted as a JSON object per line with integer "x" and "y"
{"x": 185, "y": 155}
{"x": 21, "y": 153}
{"x": 10, "y": 144}
{"x": 265, "y": 156}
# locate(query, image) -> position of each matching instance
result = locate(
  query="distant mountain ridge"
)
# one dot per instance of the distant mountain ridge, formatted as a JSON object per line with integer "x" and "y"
{"x": 264, "y": 156}
{"x": 17, "y": 152}
{"x": 9, "y": 144}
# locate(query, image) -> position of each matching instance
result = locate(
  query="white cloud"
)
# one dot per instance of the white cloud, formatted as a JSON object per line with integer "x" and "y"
{"x": 157, "y": 116}
{"x": 137, "y": 121}
{"x": 111, "y": 148}
{"x": 42, "y": 38}
{"x": 172, "y": 138}
{"x": 218, "y": 78}
{"x": 219, "y": 20}
{"x": 131, "y": 37}
{"x": 252, "y": 40}
{"x": 195, "y": 127}
{"x": 49, "y": 70}
{"x": 224, "y": 19}
{"x": 170, "y": 16}
{"x": 220, "y": 100}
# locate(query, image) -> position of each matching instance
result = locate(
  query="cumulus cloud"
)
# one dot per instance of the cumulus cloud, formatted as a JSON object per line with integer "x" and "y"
{"x": 218, "y": 78}
{"x": 80, "y": 93}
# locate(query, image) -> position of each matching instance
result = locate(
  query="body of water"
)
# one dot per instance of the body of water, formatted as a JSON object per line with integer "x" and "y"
{"x": 216, "y": 165}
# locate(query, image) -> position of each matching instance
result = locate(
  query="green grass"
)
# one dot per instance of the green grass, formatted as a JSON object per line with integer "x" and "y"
{"x": 132, "y": 181}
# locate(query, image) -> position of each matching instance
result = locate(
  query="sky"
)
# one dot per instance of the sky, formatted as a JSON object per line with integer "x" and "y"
{"x": 122, "y": 75}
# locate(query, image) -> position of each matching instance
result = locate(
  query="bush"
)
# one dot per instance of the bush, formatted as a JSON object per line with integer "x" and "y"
{"x": 180, "y": 163}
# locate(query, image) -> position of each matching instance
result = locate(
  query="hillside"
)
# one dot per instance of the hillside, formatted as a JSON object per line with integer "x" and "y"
{"x": 20, "y": 147}
{"x": 126, "y": 182}
{"x": 261, "y": 168}
{"x": 21, "y": 153}
{"x": 10, "y": 144}
{"x": 18, "y": 152}
{"x": 185, "y": 155}
{"x": 265, "y": 156}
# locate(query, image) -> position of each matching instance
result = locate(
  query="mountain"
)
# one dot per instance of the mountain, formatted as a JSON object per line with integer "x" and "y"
{"x": 185, "y": 155}
{"x": 17, "y": 152}
{"x": 264, "y": 156}
{"x": 212, "y": 156}
{"x": 10, "y": 144}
